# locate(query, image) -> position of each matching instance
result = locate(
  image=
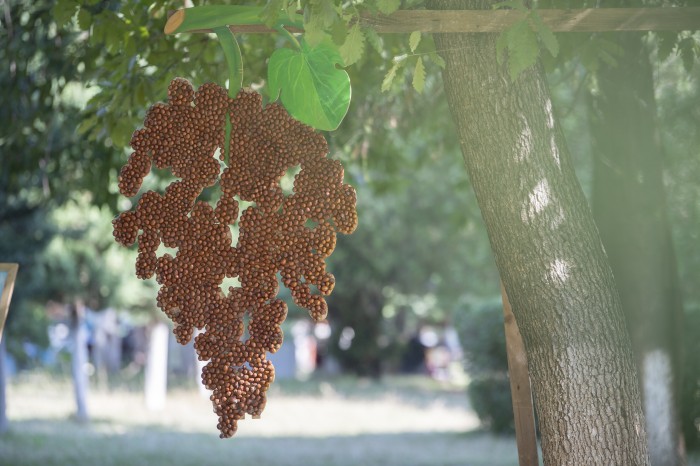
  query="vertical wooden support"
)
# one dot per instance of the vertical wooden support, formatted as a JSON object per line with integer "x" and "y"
{"x": 521, "y": 392}
{"x": 8, "y": 275}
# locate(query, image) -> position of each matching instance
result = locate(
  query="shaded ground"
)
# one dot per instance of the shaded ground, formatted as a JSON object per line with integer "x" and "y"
{"x": 403, "y": 421}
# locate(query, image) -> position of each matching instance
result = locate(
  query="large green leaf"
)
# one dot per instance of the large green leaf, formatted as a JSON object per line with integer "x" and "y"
{"x": 311, "y": 87}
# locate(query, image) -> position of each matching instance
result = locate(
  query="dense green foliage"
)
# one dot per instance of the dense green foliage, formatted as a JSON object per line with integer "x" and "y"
{"x": 484, "y": 345}
{"x": 82, "y": 74}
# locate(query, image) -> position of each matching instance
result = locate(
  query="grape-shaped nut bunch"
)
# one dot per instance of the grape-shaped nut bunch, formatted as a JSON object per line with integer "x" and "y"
{"x": 286, "y": 234}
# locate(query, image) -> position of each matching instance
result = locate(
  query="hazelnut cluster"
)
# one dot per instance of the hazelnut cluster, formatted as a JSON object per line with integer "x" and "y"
{"x": 286, "y": 234}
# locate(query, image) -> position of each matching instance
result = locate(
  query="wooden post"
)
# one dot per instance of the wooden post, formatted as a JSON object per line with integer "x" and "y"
{"x": 8, "y": 275}
{"x": 525, "y": 434}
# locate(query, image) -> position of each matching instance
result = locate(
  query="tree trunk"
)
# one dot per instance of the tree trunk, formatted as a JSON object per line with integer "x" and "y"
{"x": 156, "y": 380}
{"x": 79, "y": 360}
{"x": 549, "y": 255}
{"x": 630, "y": 209}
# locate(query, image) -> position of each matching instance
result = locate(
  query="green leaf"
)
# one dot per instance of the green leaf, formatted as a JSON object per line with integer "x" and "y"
{"x": 325, "y": 11}
{"x": 419, "y": 76}
{"x": 414, "y": 40}
{"x": 113, "y": 40}
{"x": 63, "y": 11}
{"x": 140, "y": 94}
{"x": 339, "y": 32}
{"x": 437, "y": 59}
{"x": 271, "y": 12}
{"x": 354, "y": 45}
{"x": 390, "y": 75}
{"x": 374, "y": 40}
{"x": 501, "y": 46}
{"x": 686, "y": 48}
{"x": 129, "y": 46}
{"x": 121, "y": 132}
{"x": 666, "y": 44}
{"x": 234, "y": 61}
{"x": 86, "y": 124}
{"x": 547, "y": 37}
{"x": 314, "y": 32}
{"x": 84, "y": 19}
{"x": 387, "y": 7}
{"x": 521, "y": 43}
{"x": 311, "y": 87}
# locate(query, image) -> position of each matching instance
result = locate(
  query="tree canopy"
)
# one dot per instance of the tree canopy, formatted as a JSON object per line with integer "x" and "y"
{"x": 82, "y": 74}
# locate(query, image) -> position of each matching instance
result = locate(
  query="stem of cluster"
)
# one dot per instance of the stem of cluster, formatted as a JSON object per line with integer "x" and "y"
{"x": 232, "y": 52}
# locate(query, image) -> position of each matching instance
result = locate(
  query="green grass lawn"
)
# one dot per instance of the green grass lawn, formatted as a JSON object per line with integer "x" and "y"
{"x": 401, "y": 421}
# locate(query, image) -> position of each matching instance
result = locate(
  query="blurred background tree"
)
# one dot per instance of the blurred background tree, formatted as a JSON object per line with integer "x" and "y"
{"x": 82, "y": 73}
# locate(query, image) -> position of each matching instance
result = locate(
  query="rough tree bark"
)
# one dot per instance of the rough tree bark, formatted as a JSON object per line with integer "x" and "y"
{"x": 549, "y": 254}
{"x": 630, "y": 210}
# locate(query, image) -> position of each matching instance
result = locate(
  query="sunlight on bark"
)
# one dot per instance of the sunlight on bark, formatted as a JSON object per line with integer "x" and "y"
{"x": 550, "y": 114}
{"x": 538, "y": 199}
{"x": 523, "y": 147}
{"x": 558, "y": 271}
{"x": 555, "y": 150}
{"x": 658, "y": 402}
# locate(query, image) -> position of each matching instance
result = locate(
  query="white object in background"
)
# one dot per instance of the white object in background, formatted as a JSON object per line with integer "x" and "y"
{"x": 157, "y": 367}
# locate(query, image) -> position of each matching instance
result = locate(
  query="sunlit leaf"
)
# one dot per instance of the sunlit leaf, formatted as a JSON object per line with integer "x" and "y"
{"x": 63, "y": 11}
{"x": 520, "y": 41}
{"x": 387, "y": 7}
{"x": 84, "y": 19}
{"x": 354, "y": 45}
{"x": 437, "y": 59}
{"x": 374, "y": 40}
{"x": 311, "y": 87}
{"x": 339, "y": 32}
{"x": 547, "y": 37}
{"x": 414, "y": 40}
{"x": 390, "y": 75}
{"x": 314, "y": 31}
{"x": 271, "y": 12}
{"x": 419, "y": 76}
{"x": 86, "y": 124}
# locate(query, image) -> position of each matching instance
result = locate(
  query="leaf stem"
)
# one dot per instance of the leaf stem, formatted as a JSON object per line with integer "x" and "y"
{"x": 281, "y": 29}
{"x": 232, "y": 52}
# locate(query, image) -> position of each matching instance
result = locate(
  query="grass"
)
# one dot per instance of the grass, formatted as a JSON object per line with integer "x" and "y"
{"x": 407, "y": 421}
{"x": 341, "y": 422}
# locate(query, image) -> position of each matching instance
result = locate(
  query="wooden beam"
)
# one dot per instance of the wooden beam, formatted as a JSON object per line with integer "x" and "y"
{"x": 588, "y": 20}
{"x": 585, "y": 20}
{"x": 521, "y": 392}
